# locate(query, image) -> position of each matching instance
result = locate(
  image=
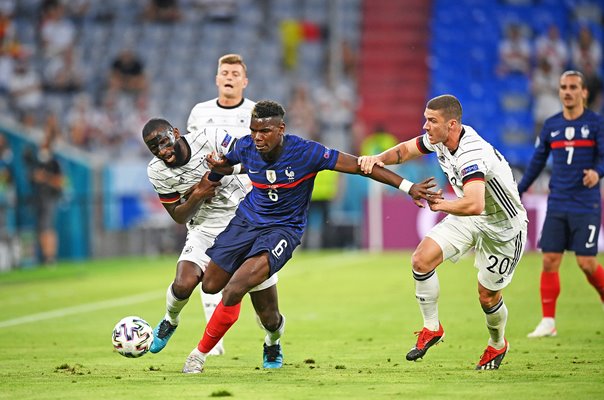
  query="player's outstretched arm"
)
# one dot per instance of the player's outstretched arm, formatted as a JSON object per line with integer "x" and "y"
{"x": 182, "y": 211}
{"x": 418, "y": 191}
{"x": 395, "y": 155}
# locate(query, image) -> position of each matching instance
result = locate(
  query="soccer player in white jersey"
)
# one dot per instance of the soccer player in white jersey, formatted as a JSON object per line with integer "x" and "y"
{"x": 486, "y": 215}
{"x": 230, "y": 111}
{"x": 179, "y": 175}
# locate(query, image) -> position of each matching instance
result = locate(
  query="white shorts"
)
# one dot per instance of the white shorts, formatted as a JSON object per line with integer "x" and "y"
{"x": 194, "y": 251}
{"x": 496, "y": 261}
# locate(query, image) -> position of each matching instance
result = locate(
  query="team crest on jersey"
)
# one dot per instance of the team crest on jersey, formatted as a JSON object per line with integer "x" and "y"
{"x": 290, "y": 174}
{"x": 569, "y": 132}
{"x": 584, "y": 131}
{"x": 271, "y": 175}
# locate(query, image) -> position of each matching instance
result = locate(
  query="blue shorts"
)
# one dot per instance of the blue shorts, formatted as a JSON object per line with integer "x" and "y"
{"x": 568, "y": 231}
{"x": 240, "y": 241}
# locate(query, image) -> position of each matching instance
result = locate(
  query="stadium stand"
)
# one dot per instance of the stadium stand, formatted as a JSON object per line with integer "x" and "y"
{"x": 401, "y": 53}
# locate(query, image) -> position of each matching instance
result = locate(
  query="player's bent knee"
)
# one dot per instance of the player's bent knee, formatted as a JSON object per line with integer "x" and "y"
{"x": 232, "y": 295}
{"x": 183, "y": 290}
{"x": 420, "y": 264}
{"x": 210, "y": 287}
{"x": 270, "y": 320}
{"x": 488, "y": 299}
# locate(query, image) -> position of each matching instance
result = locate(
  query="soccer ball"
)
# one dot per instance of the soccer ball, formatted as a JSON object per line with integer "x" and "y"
{"x": 132, "y": 337}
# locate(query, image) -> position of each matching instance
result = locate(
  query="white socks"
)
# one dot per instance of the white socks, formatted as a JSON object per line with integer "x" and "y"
{"x": 497, "y": 317}
{"x": 272, "y": 338}
{"x": 209, "y": 302}
{"x": 174, "y": 306}
{"x": 427, "y": 290}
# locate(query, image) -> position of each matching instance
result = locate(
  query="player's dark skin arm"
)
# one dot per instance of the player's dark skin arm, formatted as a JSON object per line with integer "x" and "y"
{"x": 348, "y": 163}
{"x": 182, "y": 211}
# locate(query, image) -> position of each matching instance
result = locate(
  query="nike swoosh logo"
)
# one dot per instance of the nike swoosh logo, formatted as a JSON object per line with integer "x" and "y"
{"x": 555, "y": 133}
{"x": 589, "y": 245}
{"x": 251, "y": 171}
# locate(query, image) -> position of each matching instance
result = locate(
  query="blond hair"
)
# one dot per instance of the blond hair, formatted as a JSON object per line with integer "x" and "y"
{"x": 232, "y": 59}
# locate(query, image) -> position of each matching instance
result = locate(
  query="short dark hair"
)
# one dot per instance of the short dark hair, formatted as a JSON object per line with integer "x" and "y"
{"x": 268, "y": 109}
{"x": 155, "y": 124}
{"x": 571, "y": 72}
{"x": 448, "y": 104}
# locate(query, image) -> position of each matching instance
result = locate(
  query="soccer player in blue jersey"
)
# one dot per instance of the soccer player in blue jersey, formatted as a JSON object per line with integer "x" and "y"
{"x": 575, "y": 138}
{"x": 270, "y": 221}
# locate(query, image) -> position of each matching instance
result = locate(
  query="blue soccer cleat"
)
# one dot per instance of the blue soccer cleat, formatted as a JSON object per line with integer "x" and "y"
{"x": 161, "y": 334}
{"x": 272, "y": 357}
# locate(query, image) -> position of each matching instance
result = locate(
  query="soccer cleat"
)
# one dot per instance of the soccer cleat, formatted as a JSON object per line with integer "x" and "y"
{"x": 273, "y": 356}
{"x": 218, "y": 350}
{"x": 546, "y": 328}
{"x": 161, "y": 334}
{"x": 425, "y": 339}
{"x": 194, "y": 363}
{"x": 491, "y": 358}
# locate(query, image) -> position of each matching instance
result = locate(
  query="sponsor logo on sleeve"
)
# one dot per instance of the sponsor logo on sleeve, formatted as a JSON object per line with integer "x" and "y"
{"x": 468, "y": 170}
{"x": 225, "y": 142}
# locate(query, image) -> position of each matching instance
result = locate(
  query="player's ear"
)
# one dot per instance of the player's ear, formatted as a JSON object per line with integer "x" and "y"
{"x": 176, "y": 133}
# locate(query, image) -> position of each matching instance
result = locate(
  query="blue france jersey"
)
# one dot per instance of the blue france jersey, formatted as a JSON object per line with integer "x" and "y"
{"x": 281, "y": 190}
{"x": 575, "y": 146}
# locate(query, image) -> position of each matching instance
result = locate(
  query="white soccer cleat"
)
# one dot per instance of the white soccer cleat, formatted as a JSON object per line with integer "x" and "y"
{"x": 218, "y": 350}
{"x": 194, "y": 363}
{"x": 546, "y": 328}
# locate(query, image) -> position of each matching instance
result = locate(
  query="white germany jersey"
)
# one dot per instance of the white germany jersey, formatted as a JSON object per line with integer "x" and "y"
{"x": 503, "y": 216}
{"x": 172, "y": 183}
{"x": 235, "y": 120}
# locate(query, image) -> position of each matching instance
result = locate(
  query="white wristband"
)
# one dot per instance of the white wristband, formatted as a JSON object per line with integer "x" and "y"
{"x": 236, "y": 169}
{"x": 405, "y": 185}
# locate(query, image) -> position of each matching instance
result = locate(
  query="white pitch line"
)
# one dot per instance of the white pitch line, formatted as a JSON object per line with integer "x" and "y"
{"x": 62, "y": 312}
{"x": 100, "y": 305}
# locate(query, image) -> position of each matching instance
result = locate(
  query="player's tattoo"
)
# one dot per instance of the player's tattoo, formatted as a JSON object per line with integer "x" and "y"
{"x": 399, "y": 155}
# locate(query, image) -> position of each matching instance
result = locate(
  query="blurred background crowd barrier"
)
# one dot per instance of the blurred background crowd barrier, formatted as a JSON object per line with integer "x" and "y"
{"x": 353, "y": 74}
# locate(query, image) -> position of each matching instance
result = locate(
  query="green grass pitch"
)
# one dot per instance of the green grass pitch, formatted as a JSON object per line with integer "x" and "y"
{"x": 350, "y": 321}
